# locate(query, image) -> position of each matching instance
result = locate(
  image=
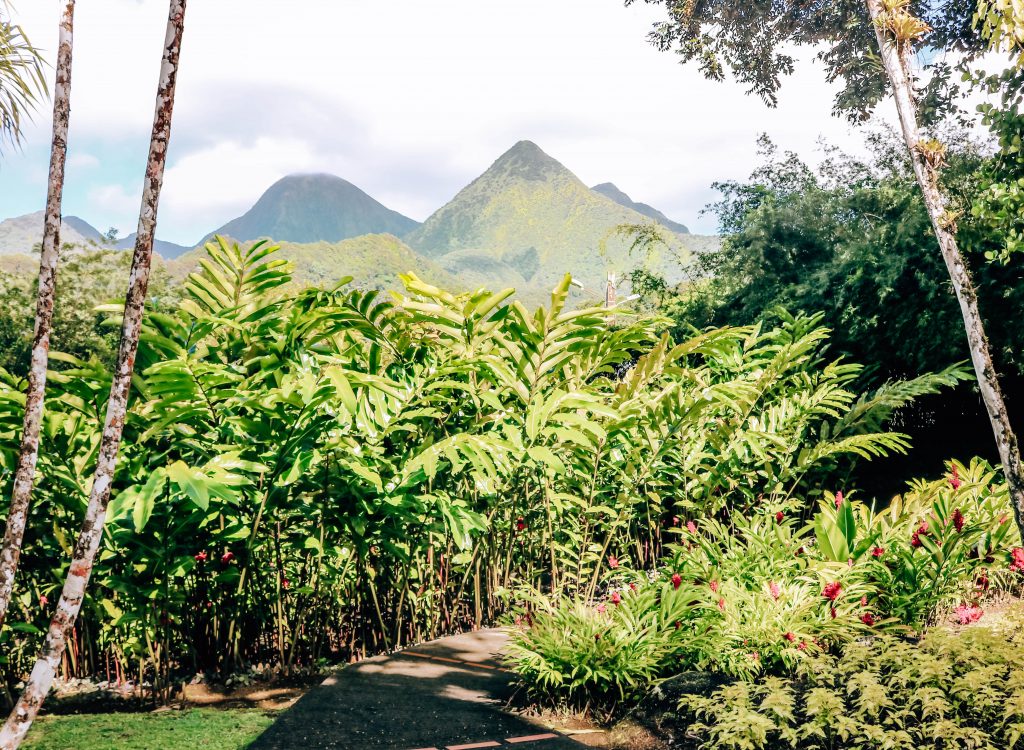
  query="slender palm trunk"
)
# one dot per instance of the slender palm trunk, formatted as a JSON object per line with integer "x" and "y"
{"x": 21, "y": 496}
{"x": 896, "y": 57}
{"x": 89, "y": 539}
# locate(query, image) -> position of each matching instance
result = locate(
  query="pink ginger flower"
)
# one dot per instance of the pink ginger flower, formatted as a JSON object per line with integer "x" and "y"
{"x": 613, "y": 562}
{"x": 967, "y": 614}
{"x": 601, "y": 609}
{"x": 691, "y": 527}
{"x": 1017, "y": 555}
{"x": 774, "y": 590}
{"x": 616, "y": 598}
{"x": 839, "y": 498}
{"x": 713, "y": 585}
{"x": 721, "y": 604}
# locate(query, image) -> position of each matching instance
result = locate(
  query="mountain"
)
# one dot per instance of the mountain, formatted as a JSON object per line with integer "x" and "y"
{"x": 22, "y": 233}
{"x": 608, "y": 190}
{"x": 166, "y": 250}
{"x": 528, "y": 216}
{"x": 315, "y": 208}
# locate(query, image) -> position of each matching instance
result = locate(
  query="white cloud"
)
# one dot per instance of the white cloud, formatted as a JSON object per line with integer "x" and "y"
{"x": 115, "y": 199}
{"x": 82, "y": 160}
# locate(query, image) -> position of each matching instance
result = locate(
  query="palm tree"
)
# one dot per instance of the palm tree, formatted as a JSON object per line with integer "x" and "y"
{"x": 897, "y": 31}
{"x": 28, "y": 454}
{"x": 41, "y": 679}
{"x": 22, "y": 83}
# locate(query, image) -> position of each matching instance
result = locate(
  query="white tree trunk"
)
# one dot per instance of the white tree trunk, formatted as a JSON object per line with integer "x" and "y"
{"x": 28, "y": 455}
{"x": 896, "y": 59}
{"x": 41, "y": 679}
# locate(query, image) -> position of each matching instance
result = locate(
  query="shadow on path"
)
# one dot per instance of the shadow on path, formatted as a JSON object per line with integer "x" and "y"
{"x": 443, "y": 695}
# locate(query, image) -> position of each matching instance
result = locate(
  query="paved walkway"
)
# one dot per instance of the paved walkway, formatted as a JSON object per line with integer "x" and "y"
{"x": 443, "y": 695}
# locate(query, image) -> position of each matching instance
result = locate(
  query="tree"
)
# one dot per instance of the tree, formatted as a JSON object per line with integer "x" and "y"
{"x": 21, "y": 494}
{"x": 22, "y": 82}
{"x": 747, "y": 37}
{"x": 41, "y": 679}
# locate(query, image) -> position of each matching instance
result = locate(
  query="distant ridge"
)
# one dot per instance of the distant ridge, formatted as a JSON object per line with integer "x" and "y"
{"x": 315, "y": 208}
{"x": 609, "y": 190}
{"x": 20, "y": 234}
{"x": 166, "y": 250}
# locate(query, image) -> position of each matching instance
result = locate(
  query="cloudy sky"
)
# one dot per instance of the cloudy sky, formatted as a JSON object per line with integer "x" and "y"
{"x": 409, "y": 100}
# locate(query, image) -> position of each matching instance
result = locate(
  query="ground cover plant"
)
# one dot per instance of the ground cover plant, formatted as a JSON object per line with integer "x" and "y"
{"x": 313, "y": 474}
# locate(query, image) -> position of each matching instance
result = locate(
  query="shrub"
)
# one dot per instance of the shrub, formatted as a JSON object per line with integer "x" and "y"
{"x": 953, "y": 689}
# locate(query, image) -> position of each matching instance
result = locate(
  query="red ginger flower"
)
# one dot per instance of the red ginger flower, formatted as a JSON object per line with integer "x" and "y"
{"x": 713, "y": 585}
{"x": 832, "y": 611}
{"x": 779, "y": 516}
{"x": 789, "y": 637}
{"x": 954, "y": 481}
{"x": 677, "y": 580}
{"x": 868, "y": 619}
{"x": 1017, "y": 553}
{"x": 613, "y": 562}
{"x": 832, "y": 590}
{"x": 877, "y": 551}
{"x": 616, "y": 598}
{"x": 958, "y": 520}
{"x": 632, "y": 586}
{"x": 227, "y": 557}
{"x": 520, "y": 524}
{"x": 200, "y": 556}
{"x": 802, "y": 646}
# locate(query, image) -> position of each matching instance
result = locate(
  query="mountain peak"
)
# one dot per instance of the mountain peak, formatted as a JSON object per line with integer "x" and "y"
{"x": 526, "y": 160}
{"x": 315, "y": 207}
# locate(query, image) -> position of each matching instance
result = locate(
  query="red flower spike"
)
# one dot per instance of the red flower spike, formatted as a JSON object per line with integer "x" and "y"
{"x": 915, "y": 540}
{"x": 713, "y": 586}
{"x": 779, "y": 516}
{"x": 789, "y": 637}
{"x": 1017, "y": 553}
{"x": 616, "y": 598}
{"x": 877, "y": 551}
{"x": 520, "y": 524}
{"x": 227, "y": 557}
{"x": 201, "y": 556}
{"x": 831, "y": 591}
{"x": 601, "y": 609}
{"x": 613, "y": 562}
{"x": 954, "y": 481}
{"x": 721, "y": 604}
{"x": 802, "y": 646}
{"x": 958, "y": 520}
{"x": 868, "y": 619}
{"x": 832, "y": 611}
{"x": 677, "y": 580}
{"x": 632, "y": 586}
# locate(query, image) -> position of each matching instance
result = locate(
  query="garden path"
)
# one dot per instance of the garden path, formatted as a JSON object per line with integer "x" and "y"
{"x": 442, "y": 695}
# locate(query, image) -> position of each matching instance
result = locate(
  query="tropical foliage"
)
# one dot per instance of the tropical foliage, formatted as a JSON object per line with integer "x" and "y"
{"x": 762, "y": 594}
{"x": 312, "y": 474}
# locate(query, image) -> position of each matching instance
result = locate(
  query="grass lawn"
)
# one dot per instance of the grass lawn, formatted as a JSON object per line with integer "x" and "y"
{"x": 192, "y": 729}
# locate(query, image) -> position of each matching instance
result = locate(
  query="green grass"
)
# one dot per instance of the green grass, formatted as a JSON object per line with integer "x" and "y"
{"x": 205, "y": 728}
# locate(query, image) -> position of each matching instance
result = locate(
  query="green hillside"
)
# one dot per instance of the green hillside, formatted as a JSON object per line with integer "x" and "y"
{"x": 530, "y": 213}
{"x": 373, "y": 260}
{"x": 314, "y": 208}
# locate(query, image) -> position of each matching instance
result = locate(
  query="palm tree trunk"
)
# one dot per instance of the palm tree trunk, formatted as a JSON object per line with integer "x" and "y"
{"x": 28, "y": 455}
{"x": 896, "y": 57}
{"x": 39, "y": 682}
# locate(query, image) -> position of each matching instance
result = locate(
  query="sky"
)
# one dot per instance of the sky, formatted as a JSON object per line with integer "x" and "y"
{"x": 409, "y": 100}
